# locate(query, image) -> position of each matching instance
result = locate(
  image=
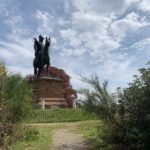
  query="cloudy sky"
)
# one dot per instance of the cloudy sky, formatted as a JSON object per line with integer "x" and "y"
{"x": 108, "y": 37}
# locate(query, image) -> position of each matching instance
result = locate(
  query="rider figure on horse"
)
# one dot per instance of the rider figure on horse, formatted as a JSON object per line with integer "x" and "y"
{"x": 39, "y": 45}
{"x": 41, "y": 55}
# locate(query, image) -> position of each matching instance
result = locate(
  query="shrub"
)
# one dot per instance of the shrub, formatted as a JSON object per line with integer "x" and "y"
{"x": 135, "y": 104}
{"x": 18, "y": 98}
{"x": 6, "y": 131}
{"x": 129, "y": 121}
{"x": 15, "y": 103}
{"x": 24, "y": 133}
{"x": 15, "y": 96}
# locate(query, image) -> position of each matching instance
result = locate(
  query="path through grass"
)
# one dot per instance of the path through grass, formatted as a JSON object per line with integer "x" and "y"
{"x": 83, "y": 131}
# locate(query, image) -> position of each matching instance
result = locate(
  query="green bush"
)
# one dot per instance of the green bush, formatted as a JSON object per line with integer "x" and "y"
{"x": 6, "y": 132}
{"x": 15, "y": 96}
{"x": 135, "y": 112}
{"x": 129, "y": 121}
{"x": 15, "y": 103}
{"x": 17, "y": 99}
{"x": 30, "y": 133}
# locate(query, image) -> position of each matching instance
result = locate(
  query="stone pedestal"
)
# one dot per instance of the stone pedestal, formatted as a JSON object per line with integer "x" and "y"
{"x": 51, "y": 91}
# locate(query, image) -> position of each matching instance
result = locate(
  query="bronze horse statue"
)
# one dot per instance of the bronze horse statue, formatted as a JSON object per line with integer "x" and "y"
{"x": 41, "y": 57}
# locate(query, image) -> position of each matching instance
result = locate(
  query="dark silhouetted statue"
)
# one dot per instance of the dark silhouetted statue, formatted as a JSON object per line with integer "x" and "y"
{"x": 41, "y": 55}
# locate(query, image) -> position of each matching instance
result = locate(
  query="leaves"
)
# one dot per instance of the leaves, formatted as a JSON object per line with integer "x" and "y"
{"x": 129, "y": 120}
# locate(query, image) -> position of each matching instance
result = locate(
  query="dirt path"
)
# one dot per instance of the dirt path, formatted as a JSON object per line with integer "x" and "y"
{"x": 66, "y": 139}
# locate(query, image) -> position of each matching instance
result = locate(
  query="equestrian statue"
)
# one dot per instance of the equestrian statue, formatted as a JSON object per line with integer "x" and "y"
{"x": 41, "y": 55}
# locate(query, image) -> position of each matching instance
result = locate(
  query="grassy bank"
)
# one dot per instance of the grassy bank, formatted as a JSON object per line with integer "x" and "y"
{"x": 42, "y": 143}
{"x": 60, "y": 115}
{"x": 94, "y": 132}
{"x": 90, "y": 129}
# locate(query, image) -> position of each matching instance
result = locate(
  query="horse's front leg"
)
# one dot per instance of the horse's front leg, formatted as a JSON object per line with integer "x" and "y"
{"x": 39, "y": 72}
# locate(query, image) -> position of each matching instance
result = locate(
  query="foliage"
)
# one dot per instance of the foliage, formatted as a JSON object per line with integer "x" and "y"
{"x": 98, "y": 100}
{"x": 15, "y": 103}
{"x": 94, "y": 132}
{"x": 6, "y": 131}
{"x": 18, "y": 98}
{"x": 29, "y": 133}
{"x": 15, "y": 97}
{"x": 135, "y": 112}
{"x": 129, "y": 120}
{"x": 25, "y": 133}
{"x": 43, "y": 140}
{"x": 60, "y": 115}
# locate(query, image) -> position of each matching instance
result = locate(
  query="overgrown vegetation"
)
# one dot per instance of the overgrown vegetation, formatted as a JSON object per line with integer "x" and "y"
{"x": 129, "y": 121}
{"x": 43, "y": 139}
{"x": 60, "y": 115}
{"x": 94, "y": 132}
{"x": 15, "y": 104}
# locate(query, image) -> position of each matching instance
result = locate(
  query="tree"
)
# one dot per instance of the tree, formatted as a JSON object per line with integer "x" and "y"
{"x": 15, "y": 96}
{"x": 15, "y": 103}
{"x": 98, "y": 99}
{"x": 129, "y": 121}
{"x": 136, "y": 111}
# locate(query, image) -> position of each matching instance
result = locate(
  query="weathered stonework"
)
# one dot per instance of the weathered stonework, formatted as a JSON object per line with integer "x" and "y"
{"x": 54, "y": 89}
{"x": 50, "y": 90}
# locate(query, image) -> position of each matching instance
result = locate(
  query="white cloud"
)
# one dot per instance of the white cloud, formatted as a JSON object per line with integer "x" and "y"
{"x": 63, "y": 22}
{"x": 131, "y": 23}
{"x": 140, "y": 45}
{"x": 91, "y": 39}
{"x": 99, "y": 36}
{"x": 144, "y": 5}
{"x": 19, "y": 69}
{"x": 142, "y": 49}
{"x": 45, "y": 21}
{"x": 18, "y": 53}
{"x": 99, "y": 6}
{"x": 67, "y": 33}
{"x": 90, "y": 32}
{"x": 67, "y": 6}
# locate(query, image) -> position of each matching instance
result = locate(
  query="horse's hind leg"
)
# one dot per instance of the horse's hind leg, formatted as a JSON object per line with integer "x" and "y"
{"x": 35, "y": 71}
{"x": 47, "y": 69}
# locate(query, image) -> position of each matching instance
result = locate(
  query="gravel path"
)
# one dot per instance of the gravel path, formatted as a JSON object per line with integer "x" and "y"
{"x": 65, "y": 139}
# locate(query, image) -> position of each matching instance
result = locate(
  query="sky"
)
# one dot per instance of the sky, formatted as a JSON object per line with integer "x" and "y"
{"x": 110, "y": 38}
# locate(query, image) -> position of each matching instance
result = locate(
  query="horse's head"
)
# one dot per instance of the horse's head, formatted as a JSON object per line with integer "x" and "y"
{"x": 48, "y": 41}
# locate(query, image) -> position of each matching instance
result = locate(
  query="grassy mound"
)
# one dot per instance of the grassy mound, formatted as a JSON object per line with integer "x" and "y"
{"x": 60, "y": 115}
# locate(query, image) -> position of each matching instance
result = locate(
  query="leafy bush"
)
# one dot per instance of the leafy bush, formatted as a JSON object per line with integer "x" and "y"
{"x": 26, "y": 133}
{"x": 15, "y": 96}
{"x": 6, "y": 131}
{"x": 98, "y": 100}
{"x": 15, "y": 103}
{"x": 129, "y": 121}
{"x": 18, "y": 98}
{"x": 135, "y": 112}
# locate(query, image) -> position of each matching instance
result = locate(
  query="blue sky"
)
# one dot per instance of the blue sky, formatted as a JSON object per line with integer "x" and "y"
{"x": 109, "y": 38}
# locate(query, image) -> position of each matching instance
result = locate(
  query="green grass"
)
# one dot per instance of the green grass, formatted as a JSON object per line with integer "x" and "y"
{"x": 43, "y": 143}
{"x": 93, "y": 132}
{"x": 60, "y": 115}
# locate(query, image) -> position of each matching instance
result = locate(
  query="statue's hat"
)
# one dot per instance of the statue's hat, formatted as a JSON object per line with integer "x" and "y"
{"x": 41, "y": 37}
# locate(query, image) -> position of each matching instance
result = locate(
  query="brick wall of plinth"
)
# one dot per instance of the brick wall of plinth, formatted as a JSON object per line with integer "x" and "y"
{"x": 51, "y": 90}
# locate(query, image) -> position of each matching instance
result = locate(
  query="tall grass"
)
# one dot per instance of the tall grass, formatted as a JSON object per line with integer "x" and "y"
{"x": 60, "y": 115}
